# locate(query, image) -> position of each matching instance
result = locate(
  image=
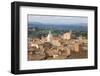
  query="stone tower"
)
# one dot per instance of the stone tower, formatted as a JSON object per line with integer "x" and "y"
{"x": 67, "y": 35}
{"x": 49, "y": 37}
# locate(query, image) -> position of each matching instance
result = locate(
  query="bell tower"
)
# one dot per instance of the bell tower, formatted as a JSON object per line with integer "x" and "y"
{"x": 49, "y": 37}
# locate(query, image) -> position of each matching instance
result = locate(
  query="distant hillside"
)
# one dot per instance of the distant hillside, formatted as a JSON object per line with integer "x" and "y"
{"x": 74, "y": 27}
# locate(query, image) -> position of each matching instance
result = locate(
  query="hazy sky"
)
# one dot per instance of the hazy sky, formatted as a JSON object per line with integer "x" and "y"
{"x": 57, "y": 19}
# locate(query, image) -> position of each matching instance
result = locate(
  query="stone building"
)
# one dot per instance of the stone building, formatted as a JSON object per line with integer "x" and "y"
{"x": 77, "y": 47}
{"x": 67, "y": 35}
{"x": 56, "y": 43}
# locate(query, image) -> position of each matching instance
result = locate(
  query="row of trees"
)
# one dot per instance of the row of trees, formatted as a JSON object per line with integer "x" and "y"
{"x": 44, "y": 33}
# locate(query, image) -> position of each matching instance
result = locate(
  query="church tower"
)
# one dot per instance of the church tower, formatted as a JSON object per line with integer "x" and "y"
{"x": 49, "y": 37}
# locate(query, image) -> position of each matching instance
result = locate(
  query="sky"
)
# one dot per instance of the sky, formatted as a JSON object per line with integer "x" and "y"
{"x": 57, "y": 19}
